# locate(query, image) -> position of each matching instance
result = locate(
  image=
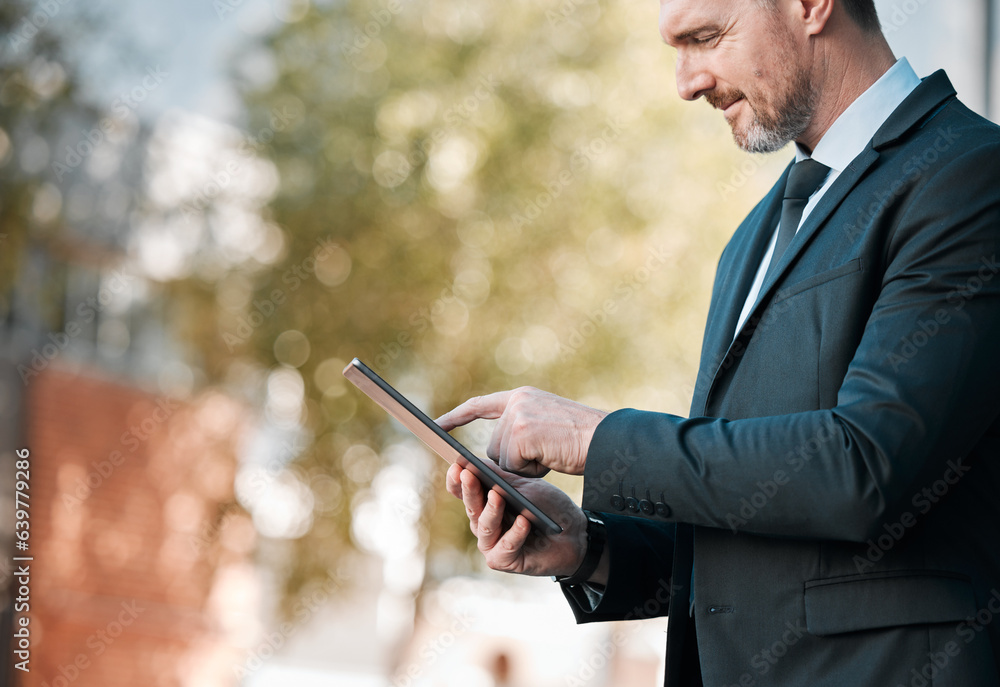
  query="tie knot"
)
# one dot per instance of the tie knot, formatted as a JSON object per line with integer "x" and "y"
{"x": 804, "y": 178}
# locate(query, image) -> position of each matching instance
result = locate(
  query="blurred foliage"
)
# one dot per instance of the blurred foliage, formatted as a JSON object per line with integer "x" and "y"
{"x": 38, "y": 90}
{"x": 507, "y": 194}
{"x": 70, "y": 172}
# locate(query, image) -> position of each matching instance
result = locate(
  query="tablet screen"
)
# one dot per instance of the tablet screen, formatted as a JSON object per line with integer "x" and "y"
{"x": 443, "y": 443}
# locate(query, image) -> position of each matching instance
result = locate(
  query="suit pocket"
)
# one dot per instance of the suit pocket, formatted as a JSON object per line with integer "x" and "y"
{"x": 892, "y": 599}
{"x": 849, "y": 267}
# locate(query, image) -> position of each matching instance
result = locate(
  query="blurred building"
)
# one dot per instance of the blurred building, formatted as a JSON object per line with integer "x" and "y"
{"x": 135, "y": 538}
{"x": 140, "y": 570}
{"x": 137, "y": 545}
{"x": 132, "y": 533}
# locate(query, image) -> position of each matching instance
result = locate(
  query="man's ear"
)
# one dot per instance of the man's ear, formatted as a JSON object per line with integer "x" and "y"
{"x": 814, "y": 14}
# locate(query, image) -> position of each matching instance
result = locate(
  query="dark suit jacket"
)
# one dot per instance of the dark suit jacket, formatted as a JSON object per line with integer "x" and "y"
{"x": 834, "y": 494}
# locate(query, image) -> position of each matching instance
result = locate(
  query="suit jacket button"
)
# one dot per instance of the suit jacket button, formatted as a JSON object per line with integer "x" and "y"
{"x": 646, "y": 506}
{"x": 633, "y": 504}
{"x": 617, "y": 502}
{"x": 662, "y": 509}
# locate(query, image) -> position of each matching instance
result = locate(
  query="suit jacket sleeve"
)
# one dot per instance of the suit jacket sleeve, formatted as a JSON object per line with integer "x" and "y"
{"x": 918, "y": 394}
{"x": 639, "y": 585}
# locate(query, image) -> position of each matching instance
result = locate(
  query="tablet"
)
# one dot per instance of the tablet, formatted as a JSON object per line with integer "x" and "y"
{"x": 444, "y": 444}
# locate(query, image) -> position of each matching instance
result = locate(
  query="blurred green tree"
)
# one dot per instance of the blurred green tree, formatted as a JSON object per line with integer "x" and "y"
{"x": 38, "y": 92}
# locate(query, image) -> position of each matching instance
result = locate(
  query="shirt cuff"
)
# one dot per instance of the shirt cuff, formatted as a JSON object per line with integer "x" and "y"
{"x": 587, "y": 594}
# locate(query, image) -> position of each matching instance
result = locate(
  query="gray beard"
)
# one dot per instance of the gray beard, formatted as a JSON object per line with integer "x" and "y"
{"x": 768, "y": 133}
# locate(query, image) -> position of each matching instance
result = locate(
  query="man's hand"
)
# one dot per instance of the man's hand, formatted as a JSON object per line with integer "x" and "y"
{"x": 511, "y": 545}
{"x": 538, "y": 431}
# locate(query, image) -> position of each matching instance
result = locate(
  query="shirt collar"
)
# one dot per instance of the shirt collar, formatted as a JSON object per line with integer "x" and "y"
{"x": 856, "y": 125}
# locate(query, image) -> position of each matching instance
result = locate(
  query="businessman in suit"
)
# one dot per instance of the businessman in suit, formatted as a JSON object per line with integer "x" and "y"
{"x": 828, "y": 515}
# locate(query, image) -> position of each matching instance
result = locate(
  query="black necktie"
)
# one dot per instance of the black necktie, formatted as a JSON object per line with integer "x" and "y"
{"x": 804, "y": 179}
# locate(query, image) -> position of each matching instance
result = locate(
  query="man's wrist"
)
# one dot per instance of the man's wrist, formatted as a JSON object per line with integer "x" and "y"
{"x": 587, "y": 438}
{"x": 594, "y": 555}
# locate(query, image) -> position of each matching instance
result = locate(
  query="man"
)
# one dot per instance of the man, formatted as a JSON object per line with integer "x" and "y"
{"x": 828, "y": 515}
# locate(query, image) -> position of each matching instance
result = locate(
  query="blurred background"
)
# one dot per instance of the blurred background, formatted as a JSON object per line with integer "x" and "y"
{"x": 209, "y": 207}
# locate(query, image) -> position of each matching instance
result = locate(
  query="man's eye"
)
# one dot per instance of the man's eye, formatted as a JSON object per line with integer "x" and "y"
{"x": 704, "y": 40}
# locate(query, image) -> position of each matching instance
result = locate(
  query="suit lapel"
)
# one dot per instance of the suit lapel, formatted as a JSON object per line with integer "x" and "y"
{"x": 918, "y": 108}
{"x": 746, "y": 258}
{"x": 737, "y": 270}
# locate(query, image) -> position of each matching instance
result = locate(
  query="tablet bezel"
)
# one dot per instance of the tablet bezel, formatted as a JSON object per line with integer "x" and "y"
{"x": 443, "y": 443}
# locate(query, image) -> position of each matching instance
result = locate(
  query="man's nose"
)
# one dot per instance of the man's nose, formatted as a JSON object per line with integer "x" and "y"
{"x": 693, "y": 79}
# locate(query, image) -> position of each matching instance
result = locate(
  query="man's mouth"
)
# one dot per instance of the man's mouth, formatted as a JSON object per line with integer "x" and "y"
{"x": 725, "y": 102}
{"x": 729, "y": 108}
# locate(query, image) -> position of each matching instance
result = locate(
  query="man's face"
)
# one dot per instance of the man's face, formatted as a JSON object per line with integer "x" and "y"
{"x": 745, "y": 61}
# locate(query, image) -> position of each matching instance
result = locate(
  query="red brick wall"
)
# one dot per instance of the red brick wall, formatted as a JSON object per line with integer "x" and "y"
{"x": 127, "y": 492}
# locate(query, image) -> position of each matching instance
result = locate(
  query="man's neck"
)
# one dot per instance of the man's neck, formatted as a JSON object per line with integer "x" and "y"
{"x": 842, "y": 82}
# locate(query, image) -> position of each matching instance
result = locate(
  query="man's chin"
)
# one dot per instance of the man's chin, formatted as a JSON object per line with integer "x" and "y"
{"x": 748, "y": 135}
{"x": 755, "y": 139}
{"x": 742, "y": 137}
